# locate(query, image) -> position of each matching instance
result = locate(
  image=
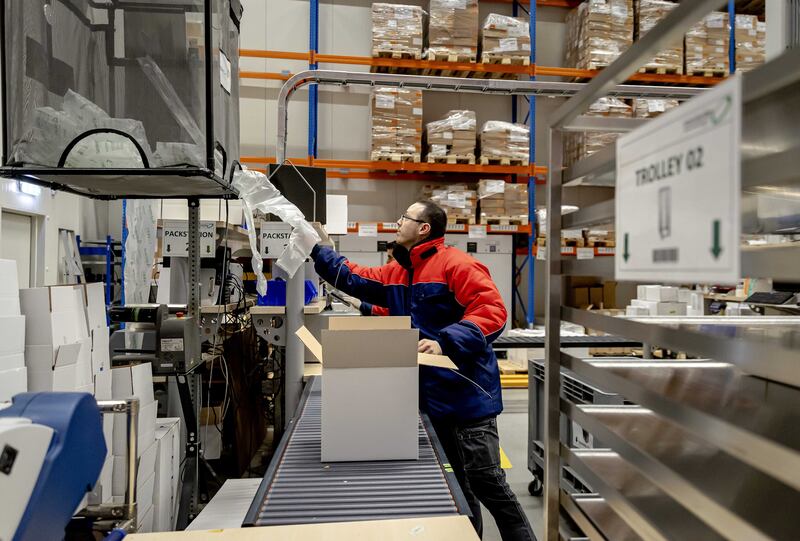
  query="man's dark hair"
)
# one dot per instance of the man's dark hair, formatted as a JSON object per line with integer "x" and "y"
{"x": 435, "y": 216}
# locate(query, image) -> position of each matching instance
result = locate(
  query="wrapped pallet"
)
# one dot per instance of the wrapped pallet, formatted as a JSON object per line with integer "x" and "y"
{"x": 459, "y": 201}
{"x": 504, "y": 37}
{"x": 452, "y": 137}
{"x": 453, "y": 30}
{"x": 579, "y": 145}
{"x": 750, "y": 42}
{"x": 505, "y": 143}
{"x": 502, "y": 203}
{"x": 396, "y": 124}
{"x": 707, "y": 46}
{"x": 648, "y": 14}
{"x": 598, "y": 31}
{"x": 651, "y": 108}
{"x": 397, "y": 30}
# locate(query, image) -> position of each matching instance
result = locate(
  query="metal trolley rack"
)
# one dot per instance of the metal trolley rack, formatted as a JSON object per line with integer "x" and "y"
{"x": 710, "y": 449}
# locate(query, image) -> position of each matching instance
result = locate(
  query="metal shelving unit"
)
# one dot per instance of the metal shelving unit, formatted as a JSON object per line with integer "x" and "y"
{"x": 708, "y": 449}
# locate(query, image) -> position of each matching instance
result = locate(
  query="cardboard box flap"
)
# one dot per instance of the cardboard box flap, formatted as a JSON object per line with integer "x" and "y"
{"x": 370, "y": 348}
{"x": 350, "y": 323}
{"x": 67, "y": 354}
{"x": 427, "y": 359}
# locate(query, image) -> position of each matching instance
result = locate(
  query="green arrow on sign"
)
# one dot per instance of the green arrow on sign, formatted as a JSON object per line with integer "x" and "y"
{"x": 626, "y": 254}
{"x": 716, "y": 249}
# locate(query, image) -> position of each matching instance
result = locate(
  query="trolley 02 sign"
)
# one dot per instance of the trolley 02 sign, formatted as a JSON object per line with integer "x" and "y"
{"x": 679, "y": 191}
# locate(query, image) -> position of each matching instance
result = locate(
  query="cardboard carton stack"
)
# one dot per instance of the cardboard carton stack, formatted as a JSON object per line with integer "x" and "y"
{"x": 453, "y": 30}
{"x": 397, "y": 30}
{"x": 581, "y": 144}
{"x": 453, "y": 136}
{"x": 651, "y": 108}
{"x": 503, "y": 202}
{"x": 136, "y": 381}
{"x": 459, "y": 201}
{"x": 504, "y": 142}
{"x": 657, "y": 300}
{"x": 707, "y": 46}
{"x": 505, "y": 40}
{"x": 750, "y": 42}
{"x": 648, "y": 14}
{"x": 13, "y": 372}
{"x": 167, "y": 473}
{"x": 396, "y": 124}
{"x": 598, "y": 31}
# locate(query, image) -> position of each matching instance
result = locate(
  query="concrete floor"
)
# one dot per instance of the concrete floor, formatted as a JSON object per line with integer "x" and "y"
{"x": 513, "y": 427}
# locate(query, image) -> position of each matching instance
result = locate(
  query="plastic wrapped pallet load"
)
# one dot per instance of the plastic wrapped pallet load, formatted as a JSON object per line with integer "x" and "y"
{"x": 397, "y": 30}
{"x": 396, "y": 124}
{"x": 648, "y": 14}
{"x": 504, "y": 37}
{"x": 453, "y": 136}
{"x": 453, "y": 30}
{"x": 579, "y": 145}
{"x": 707, "y": 46}
{"x": 750, "y": 42}
{"x": 459, "y": 201}
{"x": 502, "y": 202}
{"x": 651, "y": 108}
{"x": 598, "y": 31}
{"x": 505, "y": 142}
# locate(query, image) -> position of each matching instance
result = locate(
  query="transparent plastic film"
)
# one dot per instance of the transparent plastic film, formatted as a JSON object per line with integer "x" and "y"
{"x": 396, "y": 118}
{"x": 598, "y": 31}
{"x": 140, "y": 249}
{"x": 505, "y": 140}
{"x": 502, "y": 35}
{"x": 649, "y": 13}
{"x": 707, "y": 44}
{"x": 453, "y": 29}
{"x": 578, "y": 145}
{"x": 459, "y": 201}
{"x": 454, "y": 135}
{"x": 259, "y": 194}
{"x": 397, "y": 28}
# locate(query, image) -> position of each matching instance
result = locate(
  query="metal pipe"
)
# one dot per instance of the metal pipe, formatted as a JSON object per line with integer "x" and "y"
{"x": 672, "y": 27}
{"x": 293, "y": 379}
{"x": 452, "y": 84}
{"x": 531, "y": 312}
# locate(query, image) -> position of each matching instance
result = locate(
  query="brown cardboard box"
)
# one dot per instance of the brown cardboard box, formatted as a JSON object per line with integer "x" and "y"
{"x": 707, "y": 44}
{"x": 397, "y": 28}
{"x": 598, "y": 31}
{"x": 609, "y": 294}
{"x": 648, "y": 14}
{"x": 596, "y": 296}
{"x": 453, "y": 29}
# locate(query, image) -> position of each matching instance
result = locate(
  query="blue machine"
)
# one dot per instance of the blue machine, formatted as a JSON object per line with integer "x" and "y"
{"x": 51, "y": 453}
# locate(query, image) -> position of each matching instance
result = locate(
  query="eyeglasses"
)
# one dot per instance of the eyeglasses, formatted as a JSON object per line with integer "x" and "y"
{"x": 406, "y": 217}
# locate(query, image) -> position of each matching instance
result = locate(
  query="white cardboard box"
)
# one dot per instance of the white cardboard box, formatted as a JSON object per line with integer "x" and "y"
{"x": 101, "y": 493}
{"x": 636, "y": 311}
{"x": 95, "y": 303}
{"x": 146, "y": 430}
{"x": 52, "y": 370}
{"x": 16, "y": 360}
{"x": 144, "y": 499}
{"x": 670, "y": 309}
{"x": 661, "y": 293}
{"x": 145, "y": 521}
{"x": 144, "y": 469}
{"x": 133, "y": 380}
{"x": 9, "y": 283}
{"x": 685, "y": 295}
{"x": 9, "y": 305}
{"x": 55, "y": 314}
{"x": 102, "y": 385}
{"x": 355, "y": 382}
{"x": 12, "y": 335}
{"x": 12, "y": 382}
{"x": 83, "y": 366}
{"x": 100, "y": 349}
{"x": 165, "y": 495}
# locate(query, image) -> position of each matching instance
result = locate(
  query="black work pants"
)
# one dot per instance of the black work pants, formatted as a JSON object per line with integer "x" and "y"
{"x": 473, "y": 451}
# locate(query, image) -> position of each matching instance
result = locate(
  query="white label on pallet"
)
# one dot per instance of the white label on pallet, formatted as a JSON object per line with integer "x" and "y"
{"x": 367, "y": 230}
{"x": 604, "y": 250}
{"x": 274, "y": 239}
{"x": 477, "y": 231}
{"x": 679, "y": 190}
{"x": 176, "y": 238}
{"x": 541, "y": 253}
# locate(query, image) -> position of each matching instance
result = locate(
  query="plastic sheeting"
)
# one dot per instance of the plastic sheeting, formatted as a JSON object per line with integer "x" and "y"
{"x": 397, "y": 28}
{"x": 140, "y": 249}
{"x": 258, "y": 194}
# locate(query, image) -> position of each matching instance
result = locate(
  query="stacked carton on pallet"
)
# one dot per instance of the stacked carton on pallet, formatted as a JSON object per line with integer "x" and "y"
{"x": 598, "y": 31}
{"x": 505, "y": 40}
{"x": 649, "y": 13}
{"x": 581, "y": 144}
{"x": 459, "y": 201}
{"x": 396, "y": 124}
{"x": 707, "y": 46}
{"x": 397, "y": 31}
{"x": 651, "y": 108}
{"x": 453, "y": 31}
{"x": 452, "y": 139}
{"x": 503, "y": 203}
{"x": 504, "y": 143}
{"x": 750, "y": 42}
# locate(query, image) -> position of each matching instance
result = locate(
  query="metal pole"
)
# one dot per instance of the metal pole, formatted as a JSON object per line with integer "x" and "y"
{"x": 124, "y": 255}
{"x": 532, "y": 179}
{"x": 552, "y": 365}
{"x": 293, "y": 379}
{"x": 313, "y": 96}
{"x": 194, "y": 260}
{"x": 732, "y": 40}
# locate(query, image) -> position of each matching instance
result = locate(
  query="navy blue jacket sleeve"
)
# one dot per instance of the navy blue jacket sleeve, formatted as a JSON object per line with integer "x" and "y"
{"x": 364, "y": 283}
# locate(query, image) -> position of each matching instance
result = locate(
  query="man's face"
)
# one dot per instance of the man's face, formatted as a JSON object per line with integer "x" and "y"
{"x": 411, "y": 228}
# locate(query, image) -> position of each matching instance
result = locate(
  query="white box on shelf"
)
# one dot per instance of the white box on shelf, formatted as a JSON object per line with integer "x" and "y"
{"x": 146, "y": 433}
{"x": 12, "y": 382}
{"x": 144, "y": 469}
{"x": 144, "y": 499}
{"x": 636, "y": 311}
{"x": 15, "y": 360}
{"x": 12, "y": 335}
{"x": 55, "y": 314}
{"x": 670, "y": 309}
{"x": 685, "y": 295}
{"x": 640, "y": 303}
{"x": 661, "y": 293}
{"x": 83, "y": 366}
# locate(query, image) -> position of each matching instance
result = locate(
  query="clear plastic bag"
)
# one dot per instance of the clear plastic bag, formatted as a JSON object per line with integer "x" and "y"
{"x": 259, "y": 194}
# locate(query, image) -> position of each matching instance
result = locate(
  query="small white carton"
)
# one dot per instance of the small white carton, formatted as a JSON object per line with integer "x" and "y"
{"x": 52, "y": 370}
{"x": 12, "y": 382}
{"x": 661, "y": 293}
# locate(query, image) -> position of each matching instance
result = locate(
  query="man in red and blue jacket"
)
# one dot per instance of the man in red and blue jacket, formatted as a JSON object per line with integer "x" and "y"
{"x": 454, "y": 303}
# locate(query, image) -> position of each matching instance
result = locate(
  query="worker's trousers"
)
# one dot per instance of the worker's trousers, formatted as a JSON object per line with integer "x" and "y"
{"x": 473, "y": 451}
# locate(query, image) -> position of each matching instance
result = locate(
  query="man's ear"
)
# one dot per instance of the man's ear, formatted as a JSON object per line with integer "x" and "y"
{"x": 425, "y": 229}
